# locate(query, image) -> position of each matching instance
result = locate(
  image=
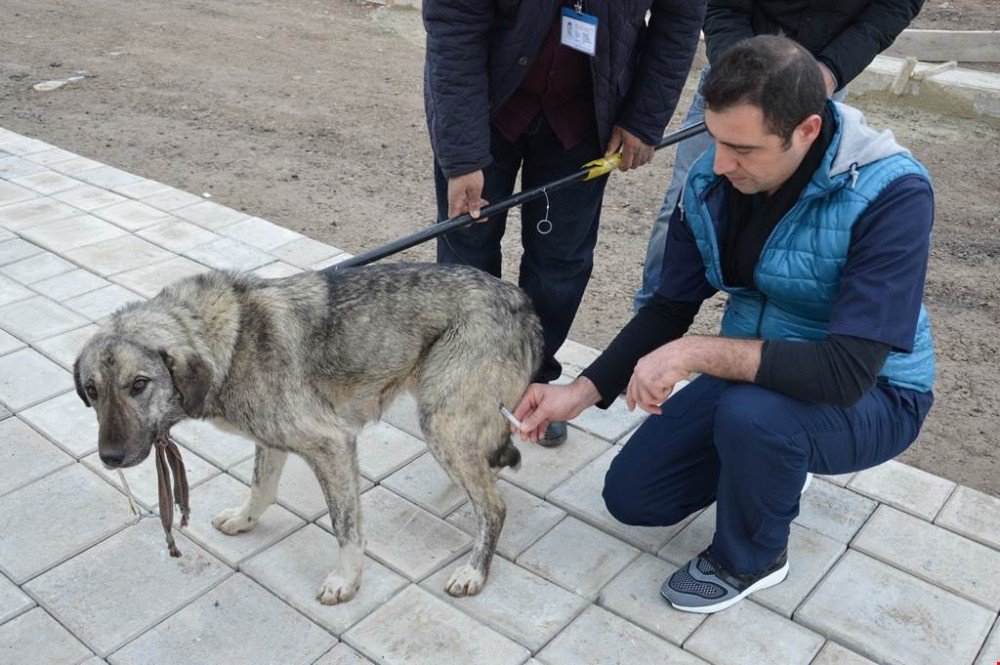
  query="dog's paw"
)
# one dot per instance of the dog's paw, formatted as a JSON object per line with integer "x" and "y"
{"x": 337, "y": 590}
{"x": 232, "y": 521}
{"x": 465, "y": 581}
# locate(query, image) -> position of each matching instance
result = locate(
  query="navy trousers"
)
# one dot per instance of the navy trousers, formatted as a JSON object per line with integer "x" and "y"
{"x": 555, "y": 266}
{"x": 748, "y": 449}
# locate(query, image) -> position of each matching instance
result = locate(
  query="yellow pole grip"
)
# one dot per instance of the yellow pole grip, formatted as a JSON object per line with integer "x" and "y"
{"x": 599, "y": 167}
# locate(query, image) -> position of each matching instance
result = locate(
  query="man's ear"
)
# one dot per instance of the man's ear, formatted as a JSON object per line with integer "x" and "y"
{"x": 809, "y": 128}
{"x": 192, "y": 378}
{"x": 79, "y": 385}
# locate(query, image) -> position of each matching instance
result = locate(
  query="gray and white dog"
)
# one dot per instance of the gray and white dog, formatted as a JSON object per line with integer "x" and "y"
{"x": 302, "y": 363}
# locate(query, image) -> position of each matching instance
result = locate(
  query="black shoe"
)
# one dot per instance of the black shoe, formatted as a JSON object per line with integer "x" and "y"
{"x": 555, "y": 434}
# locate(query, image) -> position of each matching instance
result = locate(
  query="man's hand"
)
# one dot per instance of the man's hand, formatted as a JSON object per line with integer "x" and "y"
{"x": 655, "y": 375}
{"x": 635, "y": 153}
{"x": 542, "y": 403}
{"x": 829, "y": 79}
{"x": 465, "y": 195}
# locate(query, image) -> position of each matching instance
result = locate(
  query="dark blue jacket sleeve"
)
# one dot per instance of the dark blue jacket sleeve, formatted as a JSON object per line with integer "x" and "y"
{"x": 683, "y": 277}
{"x": 726, "y": 22}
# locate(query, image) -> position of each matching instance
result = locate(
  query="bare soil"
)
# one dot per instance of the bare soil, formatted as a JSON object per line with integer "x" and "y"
{"x": 958, "y": 15}
{"x": 309, "y": 113}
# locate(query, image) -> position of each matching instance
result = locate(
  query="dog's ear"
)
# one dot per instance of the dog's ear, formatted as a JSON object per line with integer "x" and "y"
{"x": 192, "y": 377}
{"x": 79, "y": 385}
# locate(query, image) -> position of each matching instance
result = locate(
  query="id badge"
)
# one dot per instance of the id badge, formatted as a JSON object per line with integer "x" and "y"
{"x": 579, "y": 31}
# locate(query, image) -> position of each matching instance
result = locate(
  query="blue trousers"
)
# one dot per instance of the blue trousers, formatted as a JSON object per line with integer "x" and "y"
{"x": 556, "y": 266}
{"x": 748, "y": 449}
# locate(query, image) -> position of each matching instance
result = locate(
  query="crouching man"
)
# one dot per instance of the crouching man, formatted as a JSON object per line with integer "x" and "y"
{"x": 818, "y": 228}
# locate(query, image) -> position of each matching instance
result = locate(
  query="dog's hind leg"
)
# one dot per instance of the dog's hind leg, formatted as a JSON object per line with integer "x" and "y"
{"x": 267, "y": 466}
{"x": 488, "y": 507}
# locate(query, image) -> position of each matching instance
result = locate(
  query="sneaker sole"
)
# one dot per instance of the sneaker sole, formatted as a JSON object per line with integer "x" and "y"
{"x": 777, "y": 577}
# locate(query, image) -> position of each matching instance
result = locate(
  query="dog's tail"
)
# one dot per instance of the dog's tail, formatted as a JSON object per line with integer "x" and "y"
{"x": 506, "y": 455}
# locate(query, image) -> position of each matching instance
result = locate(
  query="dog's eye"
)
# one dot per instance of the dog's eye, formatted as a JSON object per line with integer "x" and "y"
{"x": 139, "y": 385}
{"x": 92, "y": 392}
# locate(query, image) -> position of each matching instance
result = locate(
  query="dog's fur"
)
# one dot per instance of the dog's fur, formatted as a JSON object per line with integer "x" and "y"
{"x": 302, "y": 363}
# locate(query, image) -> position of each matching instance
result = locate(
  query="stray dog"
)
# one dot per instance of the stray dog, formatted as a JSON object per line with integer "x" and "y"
{"x": 302, "y": 363}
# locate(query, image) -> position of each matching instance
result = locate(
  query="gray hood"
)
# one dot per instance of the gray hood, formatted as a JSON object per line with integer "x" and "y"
{"x": 859, "y": 143}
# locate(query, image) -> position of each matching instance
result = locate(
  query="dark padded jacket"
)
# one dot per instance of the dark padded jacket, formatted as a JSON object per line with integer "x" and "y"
{"x": 845, "y": 35}
{"x": 478, "y": 52}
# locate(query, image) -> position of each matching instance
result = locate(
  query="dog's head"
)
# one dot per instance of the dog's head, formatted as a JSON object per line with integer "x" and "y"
{"x": 138, "y": 393}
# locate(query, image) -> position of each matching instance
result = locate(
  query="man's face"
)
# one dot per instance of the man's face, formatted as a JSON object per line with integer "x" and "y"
{"x": 750, "y": 155}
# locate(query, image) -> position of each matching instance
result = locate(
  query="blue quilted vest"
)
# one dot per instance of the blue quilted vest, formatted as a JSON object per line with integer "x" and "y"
{"x": 799, "y": 270}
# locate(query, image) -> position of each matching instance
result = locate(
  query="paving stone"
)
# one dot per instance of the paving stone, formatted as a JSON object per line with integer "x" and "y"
{"x": 37, "y": 268}
{"x": 276, "y": 270}
{"x": 19, "y": 217}
{"x": 11, "y": 193}
{"x": 810, "y": 556}
{"x": 132, "y": 215}
{"x": 610, "y": 424}
{"x": 229, "y": 254}
{"x": 25, "y": 455}
{"x": 13, "y": 601}
{"x": 833, "y": 511}
{"x": 342, "y": 655}
{"x": 21, "y": 145}
{"x": 578, "y": 557}
{"x": 210, "y": 215}
{"x": 236, "y": 622}
{"x": 294, "y": 569}
{"x": 118, "y": 255}
{"x": 12, "y": 292}
{"x": 80, "y": 510}
{"x": 35, "y": 637}
{"x": 14, "y": 167}
{"x": 67, "y": 421}
{"x": 69, "y": 284}
{"x": 88, "y": 197}
{"x": 575, "y": 357}
{"x": 38, "y": 318}
{"x": 543, "y": 469}
{"x": 598, "y": 636}
{"x": 515, "y": 603}
{"x": 4, "y": 412}
{"x": 142, "y": 477}
{"x": 219, "y": 493}
{"x": 974, "y": 515}
{"x": 46, "y": 182}
{"x": 150, "y": 280}
{"x": 65, "y": 348}
{"x": 76, "y": 165}
{"x": 9, "y": 343}
{"x": 415, "y": 628}
{"x": 260, "y": 233}
{"x": 528, "y": 519}
{"x": 69, "y": 233}
{"x": 990, "y": 653}
{"x": 125, "y": 585}
{"x": 103, "y": 302}
{"x": 170, "y": 199}
{"x": 834, "y": 654}
{"x": 141, "y": 189}
{"x": 893, "y": 617}
{"x": 106, "y": 176}
{"x": 402, "y": 414}
{"x": 904, "y": 487}
{"x": 340, "y": 257}
{"x": 383, "y": 449}
{"x": 696, "y": 535}
{"x": 15, "y": 250}
{"x": 27, "y": 377}
{"x": 581, "y": 496}
{"x": 51, "y": 156}
{"x": 304, "y": 252}
{"x": 750, "y": 634}
{"x": 635, "y": 595}
{"x": 221, "y": 448}
{"x": 177, "y": 236}
{"x": 934, "y": 554}
{"x": 425, "y": 483}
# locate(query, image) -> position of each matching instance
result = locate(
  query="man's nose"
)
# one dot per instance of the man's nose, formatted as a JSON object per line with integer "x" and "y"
{"x": 723, "y": 163}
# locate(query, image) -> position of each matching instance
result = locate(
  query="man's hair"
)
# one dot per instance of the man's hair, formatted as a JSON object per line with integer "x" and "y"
{"x": 773, "y": 73}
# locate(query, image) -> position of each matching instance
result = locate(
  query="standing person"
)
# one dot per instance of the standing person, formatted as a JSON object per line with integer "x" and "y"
{"x": 542, "y": 87}
{"x": 843, "y": 36}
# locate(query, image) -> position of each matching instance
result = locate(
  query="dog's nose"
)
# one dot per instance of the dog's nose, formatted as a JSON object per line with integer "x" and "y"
{"x": 113, "y": 459}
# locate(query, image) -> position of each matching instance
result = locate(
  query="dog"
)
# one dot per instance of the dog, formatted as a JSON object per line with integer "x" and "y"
{"x": 300, "y": 364}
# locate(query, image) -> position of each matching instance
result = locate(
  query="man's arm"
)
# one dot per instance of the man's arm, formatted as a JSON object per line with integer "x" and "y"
{"x": 726, "y": 22}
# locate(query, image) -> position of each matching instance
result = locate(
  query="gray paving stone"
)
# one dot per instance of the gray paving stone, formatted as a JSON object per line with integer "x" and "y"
{"x": 834, "y": 654}
{"x": 27, "y": 377}
{"x": 177, "y": 236}
{"x": 35, "y": 637}
{"x": 46, "y": 182}
{"x": 543, "y": 469}
{"x": 974, "y": 515}
{"x": 38, "y": 318}
{"x": 904, "y": 487}
{"x": 150, "y": 280}
{"x": 171, "y": 199}
{"x": 750, "y": 634}
{"x": 236, "y": 622}
{"x": 402, "y": 414}
{"x": 528, "y": 519}
{"x": 934, "y": 554}
{"x": 4, "y": 412}
{"x": 132, "y": 215}
{"x": 64, "y": 348}
{"x": 581, "y": 496}
{"x": 696, "y": 535}
{"x": 635, "y": 595}
{"x": 383, "y": 449}
{"x": 810, "y": 556}
{"x": 69, "y": 284}
{"x": 51, "y": 156}
{"x": 67, "y": 421}
{"x": 26, "y": 455}
{"x": 37, "y": 268}
{"x": 80, "y": 510}
{"x": 68, "y": 233}
{"x": 9, "y": 343}
{"x": 294, "y": 569}
{"x": 893, "y": 617}
{"x": 305, "y": 252}
{"x": 575, "y": 357}
{"x": 141, "y": 189}
{"x": 415, "y": 628}
{"x": 76, "y": 165}
{"x": 142, "y": 477}
{"x": 103, "y": 302}
{"x": 12, "y": 292}
{"x": 221, "y": 448}
{"x": 990, "y": 653}
{"x": 425, "y": 483}
{"x": 118, "y": 255}
{"x": 277, "y": 270}
{"x": 516, "y": 603}
{"x": 11, "y": 193}
{"x": 260, "y": 233}
{"x": 14, "y": 167}
{"x": 229, "y": 254}
{"x": 340, "y": 257}
{"x": 125, "y": 585}
{"x": 13, "y": 601}
{"x": 610, "y": 424}
{"x": 222, "y": 492}
{"x": 106, "y": 176}
{"x": 342, "y": 655}
{"x": 21, "y": 145}
{"x": 833, "y": 511}
{"x": 578, "y": 557}
{"x": 21, "y": 216}
{"x": 88, "y": 197}
{"x": 15, "y": 250}
{"x": 600, "y": 637}
{"x": 210, "y": 215}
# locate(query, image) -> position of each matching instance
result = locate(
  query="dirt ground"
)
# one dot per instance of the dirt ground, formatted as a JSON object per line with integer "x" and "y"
{"x": 310, "y": 114}
{"x": 959, "y": 15}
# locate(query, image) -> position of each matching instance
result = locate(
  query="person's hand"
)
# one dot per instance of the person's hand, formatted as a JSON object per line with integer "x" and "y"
{"x": 635, "y": 153}
{"x": 828, "y": 79}
{"x": 542, "y": 403}
{"x": 465, "y": 195}
{"x": 655, "y": 375}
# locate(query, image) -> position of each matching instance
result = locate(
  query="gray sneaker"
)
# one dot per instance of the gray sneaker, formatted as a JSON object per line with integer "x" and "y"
{"x": 704, "y": 586}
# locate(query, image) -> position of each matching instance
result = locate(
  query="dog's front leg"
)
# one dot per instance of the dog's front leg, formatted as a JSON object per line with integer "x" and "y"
{"x": 267, "y": 466}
